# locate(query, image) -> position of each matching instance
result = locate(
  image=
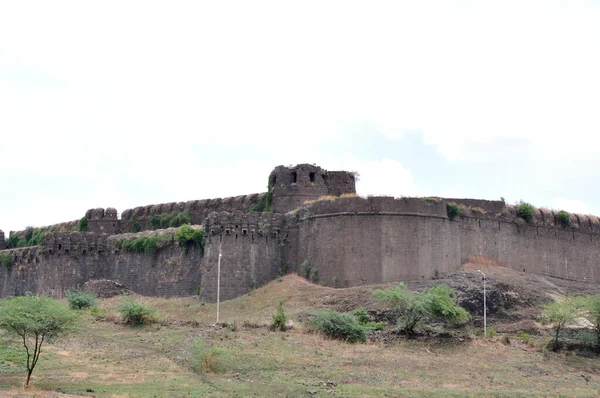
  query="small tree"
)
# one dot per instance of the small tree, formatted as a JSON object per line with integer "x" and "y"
{"x": 592, "y": 314}
{"x": 279, "y": 319}
{"x": 561, "y": 314}
{"x": 412, "y": 308}
{"x": 35, "y": 319}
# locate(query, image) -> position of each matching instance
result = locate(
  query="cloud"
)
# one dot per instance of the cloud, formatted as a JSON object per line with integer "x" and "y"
{"x": 573, "y": 206}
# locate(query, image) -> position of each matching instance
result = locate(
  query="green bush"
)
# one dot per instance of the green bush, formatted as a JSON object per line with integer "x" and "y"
{"x": 135, "y": 313}
{"x": 12, "y": 241}
{"x": 187, "y": 236}
{"x": 279, "y": 319}
{"x": 491, "y": 332}
{"x": 363, "y": 318}
{"x": 453, "y": 210}
{"x": 561, "y": 314}
{"x": 145, "y": 245}
{"x": 170, "y": 220}
{"x": 412, "y": 308}
{"x": 83, "y": 224}
{"x": 526, "y": 211}
{"x": 563, "y": 218}
{"x": 79, "y": 300}
{"x": 341, "y": 326}
{"x": 305, "y": 268}
{"x": 264, "y": 201}
{"x": 135, "y": 225}
{"x": 314, "y": 275}
{"x": 6, "y": 261}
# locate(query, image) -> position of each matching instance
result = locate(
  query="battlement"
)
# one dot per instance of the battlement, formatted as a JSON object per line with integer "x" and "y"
{"x": 239, "y": 224}
{"x": 74, "y": 243}
{"x": 198, "y": 210}
{"x": 2, "y": 241}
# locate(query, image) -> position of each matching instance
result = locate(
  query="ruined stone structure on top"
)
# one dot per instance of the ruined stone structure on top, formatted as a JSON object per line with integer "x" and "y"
{"x": 318, "y": 220}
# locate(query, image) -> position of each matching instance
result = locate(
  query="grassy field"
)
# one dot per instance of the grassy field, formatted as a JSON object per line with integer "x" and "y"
{"x": 185, "y": 355}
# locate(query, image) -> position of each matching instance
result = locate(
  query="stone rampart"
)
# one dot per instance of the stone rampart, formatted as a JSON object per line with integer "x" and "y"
{"x": 68, "y": 260}
{"x": 2, "y": 241}
{"x": 353, "y": 241}
{"x": 139, "y": 217}
{"x": 68, "y": 226}
{"x": 250, "y": 247}
{"x": 103, "y": 221}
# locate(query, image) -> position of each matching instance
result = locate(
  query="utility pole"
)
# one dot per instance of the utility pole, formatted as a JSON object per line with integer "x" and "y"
{"x": 218, "y": 285}
{"x": 484, "y": 306}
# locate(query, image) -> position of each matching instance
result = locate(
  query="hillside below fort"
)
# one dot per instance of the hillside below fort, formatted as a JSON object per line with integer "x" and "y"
{"x": 309, "y": 221}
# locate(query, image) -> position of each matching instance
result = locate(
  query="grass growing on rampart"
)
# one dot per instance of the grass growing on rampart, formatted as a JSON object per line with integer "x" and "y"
{"x": 144, "y": 244}
{"x": 526, "y": 211}
{"x": 563, "y": 218}
{"x": 187, "y": 236}
{"x": 170, "y": 220}
{"x": 453, "y": 210}
{"x": 6, "y": 261}
{"x": 264, "y": 201}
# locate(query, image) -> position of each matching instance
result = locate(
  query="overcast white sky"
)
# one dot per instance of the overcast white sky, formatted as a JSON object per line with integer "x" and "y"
{"x": 122, "y": 104}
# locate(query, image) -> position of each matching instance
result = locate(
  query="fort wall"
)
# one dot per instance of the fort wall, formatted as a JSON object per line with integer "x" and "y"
{"x": 250, "y": 249}
{"x": 362, "y": 241}
{"x": 2, "y": 241}
{"x": 68, "y": 260}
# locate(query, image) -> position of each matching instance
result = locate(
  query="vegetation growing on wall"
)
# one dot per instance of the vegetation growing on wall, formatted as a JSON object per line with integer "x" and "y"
{"x": 563, "y": 218}
{"x": 135, "y": 225}
{"x": 31, "y": 237}
{"x": 6, "y": 261}
{"x": 83, "y": 224}
{"x": 170, "y": 220}
{"x": 144, "y": 244}
{"x": 526, "y": 211}
{"x": 264, "y": 201}
{"x": 187, "y": 236}
{"x": 453, "y": 210}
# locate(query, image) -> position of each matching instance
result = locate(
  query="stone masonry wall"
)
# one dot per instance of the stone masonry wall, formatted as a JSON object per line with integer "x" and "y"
{"x": 2, "y": 241}
{"x": 250, "y": 245}
{"x": 376, "y": 240}
{"x": 67, "y": 260}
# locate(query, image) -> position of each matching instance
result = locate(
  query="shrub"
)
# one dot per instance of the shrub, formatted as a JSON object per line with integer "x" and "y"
{"x": 135, "y": 313}
{"x": 83, "y": 224}
{"x": 453, "y": 210}
{"x": 525, "y": 337}
{"x": 145, "y": 244}
{"x": 305, "y": 268}
{"x": 363, "y": 318}
{"x": 79, "y": 300}
{"x": 341, "y": 326}
{"x": 314, "y": 275}
{"x": 264, "y": 201}
{"x": 563, "y": 218}
{"x": 491, "y": 332}
{"x": 592, "y": 314}
{"x": 208, "y": 360}
{"x": 6, "y": 261}
{"x": 187, "y": 236}
{"x": 170, "y": 220}
{"x": 334, "y": 281}
{"x": 279, "y": 319}
{"x": 526, "y": 211}
{"x": 12, "y": 241}
{"x": 412, "y": 308}
{"x": 135, "y": 225}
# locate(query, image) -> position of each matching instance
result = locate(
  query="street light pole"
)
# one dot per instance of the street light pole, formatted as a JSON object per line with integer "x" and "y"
{"x": 484, "y": 306}
{"x": 218, "y": 285}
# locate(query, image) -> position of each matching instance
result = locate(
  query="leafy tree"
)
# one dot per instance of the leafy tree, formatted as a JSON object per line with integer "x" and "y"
{"x": 561, "y": 314}
{"x": 412, "y": 308}
{"x": 35, "y": 319}
{"x": 592, "y": 313}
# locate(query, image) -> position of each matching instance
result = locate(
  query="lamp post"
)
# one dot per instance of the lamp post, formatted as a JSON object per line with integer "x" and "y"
{"x": 218, "y": 285}
{"x": 484, "y": 306}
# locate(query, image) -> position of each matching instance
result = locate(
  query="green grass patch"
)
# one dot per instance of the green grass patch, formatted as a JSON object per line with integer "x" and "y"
{"x": 453, "y": 210}
{"x": 187, "y": 236}
{"x": 170, "y": 220}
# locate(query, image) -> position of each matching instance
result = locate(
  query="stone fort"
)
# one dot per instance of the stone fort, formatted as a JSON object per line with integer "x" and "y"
{"x": 309, "y": 220}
